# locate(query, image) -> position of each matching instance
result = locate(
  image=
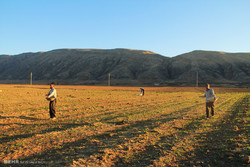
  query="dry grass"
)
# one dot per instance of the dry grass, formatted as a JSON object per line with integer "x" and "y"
{"x": 113, "y": 126}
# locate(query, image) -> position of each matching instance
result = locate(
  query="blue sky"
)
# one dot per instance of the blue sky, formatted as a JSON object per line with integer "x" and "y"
{"x": 166, "y": 27}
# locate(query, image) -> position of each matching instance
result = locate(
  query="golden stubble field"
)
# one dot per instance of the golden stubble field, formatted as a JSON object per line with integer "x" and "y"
{"x": 114, "y": 126}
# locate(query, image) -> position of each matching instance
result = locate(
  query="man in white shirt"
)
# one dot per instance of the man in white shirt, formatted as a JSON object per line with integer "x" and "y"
{"x": 210, "y": 99}
{"x": 51, "y": 96}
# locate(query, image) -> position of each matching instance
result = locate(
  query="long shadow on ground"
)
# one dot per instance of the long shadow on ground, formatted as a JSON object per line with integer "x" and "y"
{"x": 64, "y": 126}
{"x": 85, "y": 147}
{"x": 154, "y": 152}
{"x": 223, "y": 146}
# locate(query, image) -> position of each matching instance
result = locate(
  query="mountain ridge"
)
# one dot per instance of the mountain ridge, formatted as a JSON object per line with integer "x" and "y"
{"x": 91, "y": 66}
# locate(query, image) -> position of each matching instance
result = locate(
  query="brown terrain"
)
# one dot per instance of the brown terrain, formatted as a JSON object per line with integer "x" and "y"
{"x": 127, "y": 67}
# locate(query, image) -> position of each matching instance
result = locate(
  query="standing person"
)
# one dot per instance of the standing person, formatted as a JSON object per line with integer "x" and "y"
{"x": 210, "y": 99}
{"x": 51, "y": 96}
{"x": 142, "y": 92}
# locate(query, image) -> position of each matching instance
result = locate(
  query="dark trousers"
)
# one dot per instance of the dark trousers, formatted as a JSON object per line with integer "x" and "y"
{"x": 52, "y": 108}
{"x": 210, "y": 105}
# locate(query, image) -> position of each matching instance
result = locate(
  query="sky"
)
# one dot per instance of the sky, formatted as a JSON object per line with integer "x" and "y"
{"x": 166, "y": 27}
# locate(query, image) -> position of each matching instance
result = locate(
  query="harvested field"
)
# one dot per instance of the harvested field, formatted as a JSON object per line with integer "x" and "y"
{"x": 114, "y": 126}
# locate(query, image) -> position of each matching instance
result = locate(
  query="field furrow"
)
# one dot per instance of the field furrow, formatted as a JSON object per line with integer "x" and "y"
{"x": 117, "y": 127}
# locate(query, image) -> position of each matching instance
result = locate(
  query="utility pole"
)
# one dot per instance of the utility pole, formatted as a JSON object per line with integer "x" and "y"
{"x": 31, "y": 78}
{"x": 109, "y": 79}
{"x": 197, "y": 79}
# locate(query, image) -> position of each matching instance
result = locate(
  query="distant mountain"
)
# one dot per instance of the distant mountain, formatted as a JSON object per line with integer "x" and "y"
{"x": 128, "y": 67}
{"x": 212, "y": 67}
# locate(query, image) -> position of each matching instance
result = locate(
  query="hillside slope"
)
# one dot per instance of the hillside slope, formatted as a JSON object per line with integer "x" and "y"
{"x": 212, "y": 66}
{"x": 85, "y": 65}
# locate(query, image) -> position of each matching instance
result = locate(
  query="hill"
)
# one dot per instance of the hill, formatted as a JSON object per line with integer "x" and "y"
{"x": 215, "y": 67}
{"x": 128, "y": 67}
